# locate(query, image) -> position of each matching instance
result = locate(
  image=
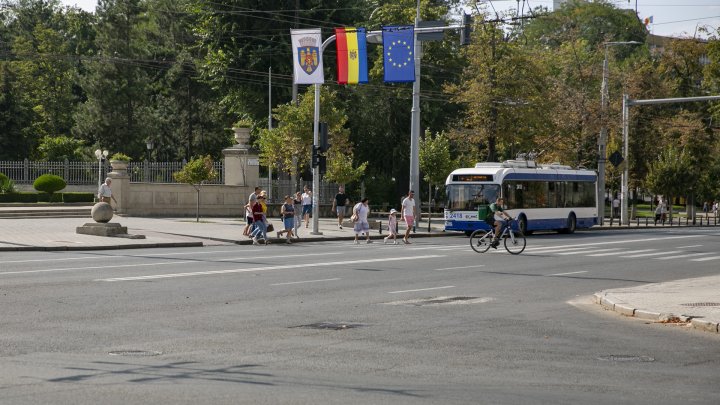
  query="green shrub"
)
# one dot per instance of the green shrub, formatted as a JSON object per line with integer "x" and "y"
{"x": 53, "y": 198}
{"x": 49, "y": 183}
{"x": 120, "y": 157}
{"x": 78, "y": 197}
{"x": 22, "y": 197}
{"x": 6, "y": 185}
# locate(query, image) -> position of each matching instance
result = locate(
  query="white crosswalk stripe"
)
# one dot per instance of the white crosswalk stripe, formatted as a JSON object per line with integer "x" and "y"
{"x": 651, "y": 254}
{"x": 588, "y": 251}
{"x": 682, "y": 256}
{"x": 705, "y": 259}
{"x": 617, "y": 253}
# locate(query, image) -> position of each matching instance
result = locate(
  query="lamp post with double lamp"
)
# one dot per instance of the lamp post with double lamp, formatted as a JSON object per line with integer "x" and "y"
{"x": 602, "y": 139}
{"x": 100, "y": 155}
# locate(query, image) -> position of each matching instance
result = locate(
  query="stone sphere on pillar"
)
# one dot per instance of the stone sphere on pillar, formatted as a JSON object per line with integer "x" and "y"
{"x": 102, "y": 212}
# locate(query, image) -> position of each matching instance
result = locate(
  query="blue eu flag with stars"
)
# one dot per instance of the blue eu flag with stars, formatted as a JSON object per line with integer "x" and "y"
{"x": 399, "y": 53}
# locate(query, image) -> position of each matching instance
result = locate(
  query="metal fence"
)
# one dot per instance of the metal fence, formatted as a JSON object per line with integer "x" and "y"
{"x": 162, "y": 172}
{"x": 281, "y": 188}
{"x": 86, "y": 173}
{"x": 74, "y": 173}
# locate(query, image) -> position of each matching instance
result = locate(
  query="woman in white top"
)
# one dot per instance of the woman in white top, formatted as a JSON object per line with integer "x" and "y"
{"x": 307, "y": 204}
{"x": 362, "y": 225}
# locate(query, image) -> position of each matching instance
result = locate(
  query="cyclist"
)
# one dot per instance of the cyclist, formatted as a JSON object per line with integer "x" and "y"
{"x": 496, "y": 208}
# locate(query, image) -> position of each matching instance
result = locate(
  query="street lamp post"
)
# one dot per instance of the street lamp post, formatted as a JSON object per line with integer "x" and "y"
{"x": 100, "y": 155}
{"x": 602, "y": 139}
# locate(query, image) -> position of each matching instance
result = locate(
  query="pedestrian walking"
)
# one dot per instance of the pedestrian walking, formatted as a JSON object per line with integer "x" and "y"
{"x": 408, "y": 213}
{"x": 248, "y": 220}
{"x": 715, "y": 208}
{"x": 338, "y": 206}
{"x": 105, "y": 192}
{"x": 297, "y": 204}
{"x": 288, "y": 215}
{"x": 259, "y": 220}
{"x": 616, "y": 207}
{"x": 307, "y": 204}
{"x": 705, "y": 208}
{"x": 392, "y": 227}
{"x": 361, "y": 211}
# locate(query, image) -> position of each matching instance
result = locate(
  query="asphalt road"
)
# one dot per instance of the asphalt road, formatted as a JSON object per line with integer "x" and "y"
{"x": 334, "y": 322}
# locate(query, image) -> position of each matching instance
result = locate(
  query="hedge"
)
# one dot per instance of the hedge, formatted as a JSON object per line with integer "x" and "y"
{"x": 29, "y": 197}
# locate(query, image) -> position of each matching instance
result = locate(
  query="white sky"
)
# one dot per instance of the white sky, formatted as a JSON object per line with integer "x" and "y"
{"x": 671, "y": 17}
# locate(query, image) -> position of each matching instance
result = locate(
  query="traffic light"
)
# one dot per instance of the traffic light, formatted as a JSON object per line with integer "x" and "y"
{"x": 467, "y": 27}
{"x": 315, "y": 159}
{"x": 322, "y": 164}
{"x": 323, "y": 129}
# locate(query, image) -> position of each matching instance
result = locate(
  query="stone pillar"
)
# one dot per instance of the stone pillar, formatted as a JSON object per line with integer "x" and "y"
{"x": 242, "y": 163}
{"x": 120, "y": 187}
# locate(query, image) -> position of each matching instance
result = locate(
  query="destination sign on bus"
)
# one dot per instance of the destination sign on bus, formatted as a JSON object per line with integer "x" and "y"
{"x": 472, "y": 177}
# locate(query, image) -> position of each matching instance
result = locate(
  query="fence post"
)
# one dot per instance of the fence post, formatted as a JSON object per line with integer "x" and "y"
{"x": 66, "y": 171}
{"x": 26, "y": 171}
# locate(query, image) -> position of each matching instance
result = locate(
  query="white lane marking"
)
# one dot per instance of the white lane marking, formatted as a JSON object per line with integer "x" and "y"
{"x": 689, "y": 246}
{"x": 307, "y": 281}
{"x": 422, "y": 289}
{"x": 159, "y": 264}
{"x": 267, "y": 268}
{"x": 280, "y": 256}
{"x": 682, "y": 256}
{"x": 704, "y": 259}
{"x": 94, "y": 267}
{"x": 618, "y": 253}
{"x": 62, "y": 259}
{"x": 579, "y": 252}
{"x": 651, "y": 254}
{"x": 461, "y": 267}
{"x": 565, "y": 274}
{"x": 151, "y": 255}
{"x": 558, "y": 249}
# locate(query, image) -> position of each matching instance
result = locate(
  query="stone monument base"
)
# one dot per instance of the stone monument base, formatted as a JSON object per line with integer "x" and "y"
{"x": 106, "y": 229}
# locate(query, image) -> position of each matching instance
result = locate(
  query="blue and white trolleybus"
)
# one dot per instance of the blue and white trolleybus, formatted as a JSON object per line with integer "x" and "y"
{"x": 539, "y": 196}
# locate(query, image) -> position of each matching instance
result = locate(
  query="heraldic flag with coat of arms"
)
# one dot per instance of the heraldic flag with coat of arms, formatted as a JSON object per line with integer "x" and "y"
{"x": 351, "y": 46}
{"x": 307, "y": 56}
{"x": 398, "y": 53}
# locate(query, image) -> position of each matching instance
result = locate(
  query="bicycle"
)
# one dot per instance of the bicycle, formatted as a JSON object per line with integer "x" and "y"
{"x": 514, "y": 240}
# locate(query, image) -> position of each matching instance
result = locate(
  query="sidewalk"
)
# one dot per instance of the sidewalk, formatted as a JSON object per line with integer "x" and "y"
{"x": 43, "y": 234}
{"x": 694, "y": 302}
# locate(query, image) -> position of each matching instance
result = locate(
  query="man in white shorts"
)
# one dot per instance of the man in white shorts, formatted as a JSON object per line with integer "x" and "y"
{"x": 408, "y": 213}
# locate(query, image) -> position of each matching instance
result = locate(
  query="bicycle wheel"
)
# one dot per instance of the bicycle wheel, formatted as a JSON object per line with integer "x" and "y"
{"x": 480, "y": 240}
{"x": 514, "y": 242}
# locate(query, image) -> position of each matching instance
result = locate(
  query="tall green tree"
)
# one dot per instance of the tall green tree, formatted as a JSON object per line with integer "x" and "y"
{"x": 117, "y": 113}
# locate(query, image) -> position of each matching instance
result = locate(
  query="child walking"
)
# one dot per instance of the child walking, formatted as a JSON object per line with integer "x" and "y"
{"x": 392, "y": 227}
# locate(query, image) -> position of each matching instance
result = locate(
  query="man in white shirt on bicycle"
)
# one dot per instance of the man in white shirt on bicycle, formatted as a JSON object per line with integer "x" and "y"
{"x": 496, "y": 209}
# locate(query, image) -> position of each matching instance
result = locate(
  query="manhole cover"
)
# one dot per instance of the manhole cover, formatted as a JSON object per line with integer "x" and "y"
{"x": 330, "y": 325}
{"x": 626, "y": 358}
{"x": 135, "y": 353}
{"x": 702, "y": 304}
{"x": 441, "y": 301}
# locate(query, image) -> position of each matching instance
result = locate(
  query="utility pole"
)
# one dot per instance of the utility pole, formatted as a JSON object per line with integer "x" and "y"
{"x": 602, "y": 139}
{"x": 415, "y": 122}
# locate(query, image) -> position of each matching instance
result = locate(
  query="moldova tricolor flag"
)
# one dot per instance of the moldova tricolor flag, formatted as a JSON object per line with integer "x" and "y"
{"x": 351, "y": 55}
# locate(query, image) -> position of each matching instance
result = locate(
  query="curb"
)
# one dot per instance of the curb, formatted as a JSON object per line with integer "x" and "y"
{"x": 106, "y": 247}
{"x": 623, "y": 308}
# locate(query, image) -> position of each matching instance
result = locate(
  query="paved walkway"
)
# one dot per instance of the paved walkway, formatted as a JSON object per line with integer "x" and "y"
{"x": 694, "y": 302}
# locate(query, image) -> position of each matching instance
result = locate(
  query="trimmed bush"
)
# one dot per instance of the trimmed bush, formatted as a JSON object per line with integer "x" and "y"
{"x": 53, "y": 198}
{"x": 22, "y": 197}
{"x": 6, "y": 185}
{"x": 49, "y": 183}
{"x": 78, "y": 197}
